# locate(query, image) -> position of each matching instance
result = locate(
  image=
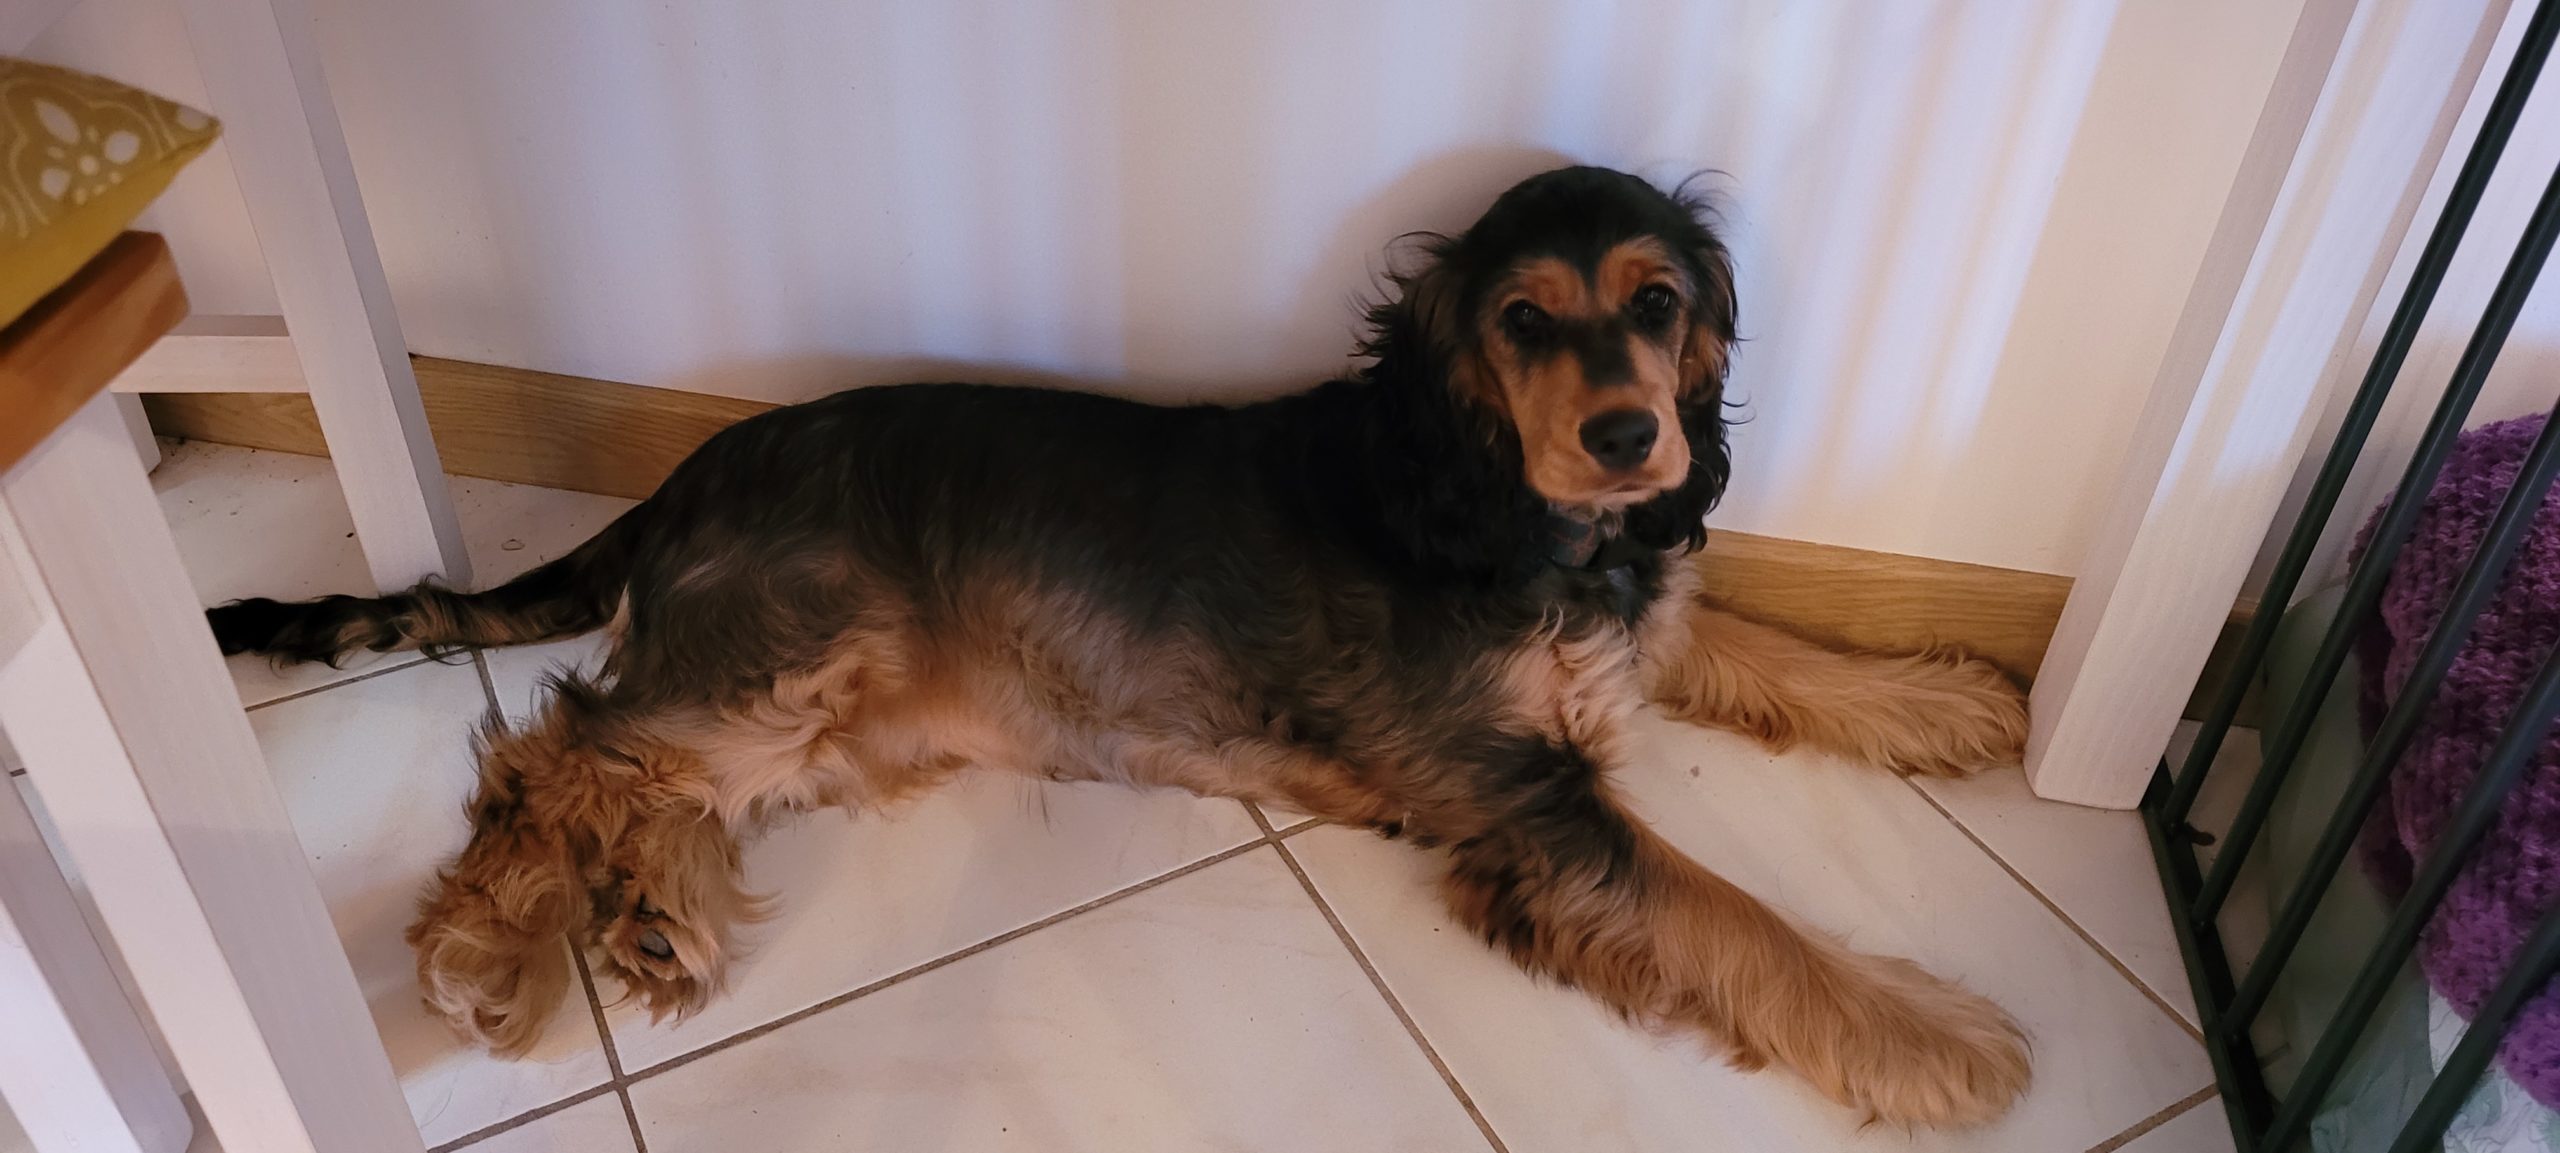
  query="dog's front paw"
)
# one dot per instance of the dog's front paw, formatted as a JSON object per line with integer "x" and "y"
{"x": 1930, "y": 1053}
{"x": 1957, "y": 715}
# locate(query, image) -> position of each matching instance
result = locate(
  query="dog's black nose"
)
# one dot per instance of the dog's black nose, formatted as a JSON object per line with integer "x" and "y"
{"x": 1620, "y": 439}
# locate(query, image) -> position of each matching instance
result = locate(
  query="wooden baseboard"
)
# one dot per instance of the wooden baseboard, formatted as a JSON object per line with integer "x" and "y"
{"x": 508, "y": 424}
{"x": 75, "y": 339}
{"x": 1876, "y": 600}
{"x": 599, "y": 436}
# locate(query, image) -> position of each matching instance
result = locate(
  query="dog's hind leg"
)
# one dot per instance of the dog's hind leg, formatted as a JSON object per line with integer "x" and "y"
{"x": 1937, "y": 714}
{"x": 488, "y": 931}
{"x": 616, "y": 814}
{"x": 583, "y": 820}
{"x": 1551, "y": 869}
{"x": 664, "y": 919}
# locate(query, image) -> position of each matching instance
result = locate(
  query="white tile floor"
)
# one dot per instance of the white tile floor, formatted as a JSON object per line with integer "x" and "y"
{"x": 1015, "y": 966}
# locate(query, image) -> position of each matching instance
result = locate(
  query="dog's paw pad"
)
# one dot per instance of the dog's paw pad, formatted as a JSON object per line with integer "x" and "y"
{"x": 666, "y": 963}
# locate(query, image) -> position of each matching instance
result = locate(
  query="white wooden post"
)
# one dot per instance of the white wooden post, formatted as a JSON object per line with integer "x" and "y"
{"x": 262, "y": 72}
{"x": 137, "y": 427}
{"x": 2358, "y": 116}
{"x": 133, "y": 736}
{"x": 75, "y": 1065}
{"x": 217, "y": 354}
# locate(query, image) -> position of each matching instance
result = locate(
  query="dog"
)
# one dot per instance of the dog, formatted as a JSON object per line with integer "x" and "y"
{"x": 1422, "y": 599}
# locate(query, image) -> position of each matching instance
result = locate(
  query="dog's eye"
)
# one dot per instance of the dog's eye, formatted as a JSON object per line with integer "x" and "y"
{"x": 1653, "y": 305}
{"x": 1523, "y": 320}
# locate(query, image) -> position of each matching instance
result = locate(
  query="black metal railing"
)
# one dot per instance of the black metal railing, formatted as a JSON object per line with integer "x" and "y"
{"x": 2261, "y": 1122}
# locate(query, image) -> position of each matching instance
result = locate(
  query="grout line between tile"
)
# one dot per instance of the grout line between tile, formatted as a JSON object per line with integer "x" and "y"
{"x": 2175, "y": 1110}
{"x": 1274, "y": 832}
{"x": 604, "y": 1036}
{"x": 614, "y": 1081}
{"x": 2112, "y": 960}
{"x": 525, "y": 1118}
{"x": 1411, "y": 1029}
{"x": 1006, "y": 937}
{"x": 595, "y": 1011}
{"x": 622, "y": 1080}
{"x": 488, "y": 684}
{"x": 316, "y": 690}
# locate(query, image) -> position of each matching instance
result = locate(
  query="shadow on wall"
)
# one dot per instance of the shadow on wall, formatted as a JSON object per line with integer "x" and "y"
{"x": 1179, "y": 202}
{"x": 1445, "y": 194}
{"x": 1187, "y": 201}
{"x": 813, "y": 375}
{"x": 1896, "y": 250}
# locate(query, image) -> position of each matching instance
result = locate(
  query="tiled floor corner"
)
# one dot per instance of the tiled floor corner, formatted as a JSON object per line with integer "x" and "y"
{"x": 2077, "y": 860}
{"x": 1007, "y": 965}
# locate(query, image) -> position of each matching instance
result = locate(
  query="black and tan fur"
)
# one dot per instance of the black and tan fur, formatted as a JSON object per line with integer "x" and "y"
{"x": 1377, "y": 601}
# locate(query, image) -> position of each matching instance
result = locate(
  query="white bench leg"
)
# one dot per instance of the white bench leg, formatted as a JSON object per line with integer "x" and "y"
{"x": 133, "y": 736}
{"x": 138, "y": 426}
{"x": 2359, "y": 114}
{"x": 262, "y": 71}
{"x": 75, "y": 1065}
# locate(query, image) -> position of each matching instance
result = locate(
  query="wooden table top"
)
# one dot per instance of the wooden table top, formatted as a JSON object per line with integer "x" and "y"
{"x": 75, "y": 340}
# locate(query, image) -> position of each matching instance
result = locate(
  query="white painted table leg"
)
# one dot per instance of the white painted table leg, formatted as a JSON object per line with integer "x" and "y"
{"x": 262, "y": 72}
{"x": 75, "y": 1065}
{"x": 2358, "y": 115}
{"x": 134, "y": 738}
{"x": 137, "y": 426}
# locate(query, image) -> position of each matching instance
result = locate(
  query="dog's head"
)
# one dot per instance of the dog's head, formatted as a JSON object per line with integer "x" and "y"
{"x": 1589, "y": 314}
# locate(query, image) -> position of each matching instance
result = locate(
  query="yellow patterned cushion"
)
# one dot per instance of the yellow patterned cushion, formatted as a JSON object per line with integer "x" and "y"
{"x": 80, "y": 157}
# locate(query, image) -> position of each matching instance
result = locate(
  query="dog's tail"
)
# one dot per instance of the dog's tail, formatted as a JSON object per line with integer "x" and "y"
{"x": 574, "y": 594}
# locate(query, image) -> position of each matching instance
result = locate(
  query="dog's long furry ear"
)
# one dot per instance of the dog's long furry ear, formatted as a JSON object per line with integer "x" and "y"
{"x": 1676, "y": 520}
{"x": 1444, "y": 464}
{"x": 1707, "y": 352}
{"x": 1415, "y": 327}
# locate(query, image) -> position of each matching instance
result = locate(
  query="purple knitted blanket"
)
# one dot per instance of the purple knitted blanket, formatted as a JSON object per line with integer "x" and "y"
{"x": 2514, "y": 876}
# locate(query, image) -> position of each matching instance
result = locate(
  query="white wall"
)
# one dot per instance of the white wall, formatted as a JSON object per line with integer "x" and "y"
{"x": 1963, "y": 228}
